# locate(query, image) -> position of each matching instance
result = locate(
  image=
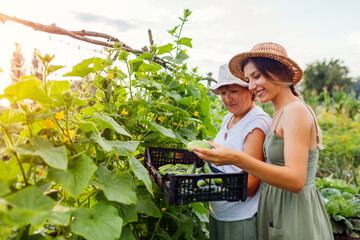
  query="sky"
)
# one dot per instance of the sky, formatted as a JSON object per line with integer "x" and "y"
{"x": 310, "y": 30}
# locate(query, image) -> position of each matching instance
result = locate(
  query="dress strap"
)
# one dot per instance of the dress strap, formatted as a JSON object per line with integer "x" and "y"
{"x": 316, "y": 126}
{"x": 277, "y": 121}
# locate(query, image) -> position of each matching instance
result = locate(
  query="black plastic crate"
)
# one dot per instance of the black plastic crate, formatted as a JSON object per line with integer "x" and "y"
{"x": 183, "y": 189}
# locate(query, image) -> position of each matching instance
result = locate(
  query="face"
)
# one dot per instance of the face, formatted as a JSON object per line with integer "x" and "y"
{"x": 236, "y": 99}
{"x": 264, "y": 88}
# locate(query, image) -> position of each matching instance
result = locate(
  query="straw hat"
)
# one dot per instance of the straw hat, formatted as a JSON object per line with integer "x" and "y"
{"x": 267, "y": 50}
{"x": 226, "y": 78}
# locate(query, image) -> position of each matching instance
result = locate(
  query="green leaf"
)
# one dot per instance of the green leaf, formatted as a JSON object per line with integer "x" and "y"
{"x": 92, "y": 65}
{"x": 153, "y": 67}
{"x": 145, "y": 55}
{"x": 126, "y": 212}
{"x": 126, "y": 233}
{"x": 28, "y": 88}
{"x": 181, "y": 57}
{"x": 185, "y": 229}
{"x": 135, "y": 64}
{"x": 55, "y": 157}
{"x": 53, "y": 68}
{"x": 30, "y": 205}
{"x": 103, "y": 143}
{"x": 58, "y": 87}
{"x": 76, "y": 177}
{"x": 109, "y": 122}
{"x": 3, "y": 189}
{"x": 169, "y": 58}
{"x": 100, "y": 222}
{"x": 141, "y": 173}
{"x": 59, "y": 215}
{"x": 87, "y": 126}
{"x": 9, "y": 171}
{"x": 145, "y": 204}
{"x": 164, "y": 49}
{"x": 115, "y": 186}
{"x": 123, "y": 56}
{"x": 198, "y": 207}
{"x": 156, "y": 127}
{"x": 18, "y": 116}
{"x": 187, "y": 101}
{"x": 186, "y": 41}
{"x": 124, "y": 148}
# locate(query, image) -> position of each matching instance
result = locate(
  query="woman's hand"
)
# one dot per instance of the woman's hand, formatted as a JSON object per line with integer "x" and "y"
{"x": 219, "y": 155}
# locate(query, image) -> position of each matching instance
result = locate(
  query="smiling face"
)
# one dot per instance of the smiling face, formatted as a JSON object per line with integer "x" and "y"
{"x": 236, "y": 99}
{"x": 264, "y": 88}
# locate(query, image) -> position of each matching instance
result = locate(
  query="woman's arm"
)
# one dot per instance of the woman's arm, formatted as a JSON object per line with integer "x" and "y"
{"x": 253, "y": 146}
{"x": 296, "y": 124}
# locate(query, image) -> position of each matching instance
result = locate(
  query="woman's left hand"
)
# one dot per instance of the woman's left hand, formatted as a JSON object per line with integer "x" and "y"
{"x": 219, "y": 155}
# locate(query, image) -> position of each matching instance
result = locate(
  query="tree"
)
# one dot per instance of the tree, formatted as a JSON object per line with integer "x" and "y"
{"x": 326, "y": 76}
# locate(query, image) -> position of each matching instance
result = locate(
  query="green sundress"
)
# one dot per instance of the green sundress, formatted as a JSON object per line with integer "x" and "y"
{"x": 286, "y": 215}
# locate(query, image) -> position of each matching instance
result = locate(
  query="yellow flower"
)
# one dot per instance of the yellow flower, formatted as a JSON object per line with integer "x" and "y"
{"x": 44, "y": 136}
{"x": 184, "y": 50}
{"x": 59, "y": 115}
{"x": 135, "y": 99}
{"x": 41, "y": 172}
{"x": 174, "y": 123}
{"x": 161, "y": 118}
{"x": 68, "y": 136}
{"x": 163, "y": 209}
{"x": 177, "y": 67}
{"x": 196, "y": 113}
{"x": 143, "y": 75}
{"x": 124, "y": 112}
{"x": 47, "y": 123}
{"x": 184, "y": 80}
{"x": 110, "y": 75}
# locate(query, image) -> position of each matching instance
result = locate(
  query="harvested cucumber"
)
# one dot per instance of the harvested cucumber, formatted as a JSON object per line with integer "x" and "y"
{"x": 198, "y": 144}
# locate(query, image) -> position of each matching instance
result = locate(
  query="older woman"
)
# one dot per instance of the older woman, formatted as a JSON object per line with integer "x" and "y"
{"x": 244, "y": 129}
{"x": 290, "y": 206}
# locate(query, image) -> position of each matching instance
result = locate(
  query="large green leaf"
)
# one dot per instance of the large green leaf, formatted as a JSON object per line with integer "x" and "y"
{"x": 109, "y": 122}
{"x": 28, "y": 88}
{"x": 18, "y": 116}
{"x": 58, "y": 87}
{"x": 59, "y": 215}
{"x": 126, "y": 233}
{"x": 76, "y": 177}
{"x": 3, "y": 189}
{"x": 185, "y": 229}
{"x": 156, "y": 127}
{"x": 9, "y": 171}
{"x": 103, "y": 143}
{"x": 87, "y": 126}
{"x": 127, "y": 212}
{"x": 100, "y": 222}
{"x": 145, "y": 204}
{"x": 141, "y": 172}
{"x": 124, "y": 148}
{"x": 86, "y": 67}
{"x": 115, "y": 186}
{"x": 30, "y": 205}
{"x": 55, "y": 157}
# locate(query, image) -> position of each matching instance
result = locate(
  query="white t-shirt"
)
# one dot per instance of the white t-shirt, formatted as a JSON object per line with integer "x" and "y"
{"x": 255, "y": 118}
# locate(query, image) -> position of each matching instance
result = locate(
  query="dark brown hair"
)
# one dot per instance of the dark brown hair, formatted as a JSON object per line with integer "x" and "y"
{"x": 270, "y": 68}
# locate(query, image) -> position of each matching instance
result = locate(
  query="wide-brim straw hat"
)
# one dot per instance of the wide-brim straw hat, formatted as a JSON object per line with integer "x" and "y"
{"x": 267, "y": 50}
{"x": 226, "y": 78}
